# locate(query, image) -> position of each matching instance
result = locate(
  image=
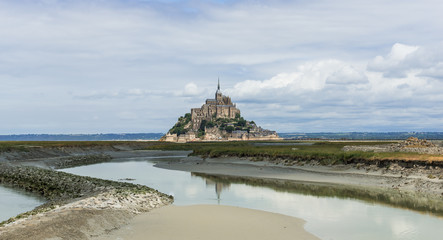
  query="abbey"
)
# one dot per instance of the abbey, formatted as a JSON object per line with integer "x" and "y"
{"x": 218, "y": 119}
{"x": 220, "y": 107}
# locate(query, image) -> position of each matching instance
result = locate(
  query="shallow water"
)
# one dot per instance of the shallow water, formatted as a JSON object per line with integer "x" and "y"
{"x": 327, "y": 217}
{"x": 15, "y": 201}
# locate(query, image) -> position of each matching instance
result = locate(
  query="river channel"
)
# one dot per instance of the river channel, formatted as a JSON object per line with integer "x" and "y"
{"x": 327, "y": 217}
{"x": 15, "y": 201}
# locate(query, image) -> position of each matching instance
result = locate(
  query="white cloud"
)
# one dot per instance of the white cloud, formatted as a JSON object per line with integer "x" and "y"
{"x": 192, "y": 90}
{"x": 395, "y": 63}
{"x": 335, "y": 95}
{"x": 308, "y": 77}
{"x": 159, "y": 58}
{"x": 347, "y": 75}
{"x": 404, "y": 60}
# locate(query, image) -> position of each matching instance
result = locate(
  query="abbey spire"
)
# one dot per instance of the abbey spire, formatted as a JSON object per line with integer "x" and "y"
{"x": 218, "y": 87}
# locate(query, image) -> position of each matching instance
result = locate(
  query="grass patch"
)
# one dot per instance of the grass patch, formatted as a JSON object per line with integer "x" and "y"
{"x": 326, "y": 153}
{"x": 12, "y": 146}
{"x": 24, "y": 146}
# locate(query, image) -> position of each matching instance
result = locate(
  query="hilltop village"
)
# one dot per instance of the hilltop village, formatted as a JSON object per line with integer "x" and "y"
{"x": 218, "y": 119}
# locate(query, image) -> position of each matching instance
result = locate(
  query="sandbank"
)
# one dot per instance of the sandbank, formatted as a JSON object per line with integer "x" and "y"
{"x": 210, "y": 222}
{"x": 414, "y": 181}
{"x": 84, "y": 218}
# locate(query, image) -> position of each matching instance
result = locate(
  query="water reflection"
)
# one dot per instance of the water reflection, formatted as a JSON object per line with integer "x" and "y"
{"x": 219, "y": 186}
{"x": 329, "y": 215}
{"x": 392, "y": 198}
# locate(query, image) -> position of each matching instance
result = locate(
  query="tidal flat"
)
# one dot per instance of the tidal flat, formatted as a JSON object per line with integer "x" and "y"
{"x": 225, "y": 162}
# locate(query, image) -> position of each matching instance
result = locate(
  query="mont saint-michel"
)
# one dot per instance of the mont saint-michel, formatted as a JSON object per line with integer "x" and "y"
{"x": 218, "y": 119}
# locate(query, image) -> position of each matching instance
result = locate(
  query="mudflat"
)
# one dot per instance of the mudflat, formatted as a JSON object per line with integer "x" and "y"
{"x": 82, "y": 219}
{"x": 92, "y": 220}
{"x": 407, "y": 180}
{"x": 210, "y": 222}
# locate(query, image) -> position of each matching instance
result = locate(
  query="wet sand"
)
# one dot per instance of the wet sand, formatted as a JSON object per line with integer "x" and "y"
{"x": 89, "y": 219}
{"x": 382, "y": 178}
{"x": 210, "y": 222}
{"x": 216, "y": 222}
{"x": 82, "y": 219}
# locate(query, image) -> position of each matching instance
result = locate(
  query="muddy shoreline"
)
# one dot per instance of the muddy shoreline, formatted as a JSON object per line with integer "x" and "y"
{"x": 110, "y": 205}
{"x": 77, "y": 207}
{"x": 418, "y": 179}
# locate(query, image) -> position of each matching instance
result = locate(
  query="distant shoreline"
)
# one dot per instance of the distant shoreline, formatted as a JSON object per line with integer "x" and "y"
{"x": 344, "y": 136}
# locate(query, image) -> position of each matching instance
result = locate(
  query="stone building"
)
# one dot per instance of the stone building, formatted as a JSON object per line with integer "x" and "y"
{"x": 217, "y": 120}
{"x": 220, "y": 107}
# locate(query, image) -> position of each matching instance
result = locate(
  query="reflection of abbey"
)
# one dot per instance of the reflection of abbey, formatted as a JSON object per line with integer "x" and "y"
{"x": 217, "y": 120}
{"x": 220, "y": 107}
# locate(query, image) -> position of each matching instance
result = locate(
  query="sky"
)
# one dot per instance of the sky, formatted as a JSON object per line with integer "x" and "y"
{"x": 128, "y": 66}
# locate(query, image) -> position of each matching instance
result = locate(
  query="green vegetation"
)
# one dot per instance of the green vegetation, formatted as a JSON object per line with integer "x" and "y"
{"x": 206, "y": 124}
{"x": 25, "y": 146}
{"x": 229, "y": 125}
{"x": 11, "y": 146}
{"x": 325, "y": 152}
{"x": 229, "y": 129}
{"x": 179, "y": 127}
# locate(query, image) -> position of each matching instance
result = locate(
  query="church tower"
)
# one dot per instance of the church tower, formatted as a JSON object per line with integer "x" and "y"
{"x": 218, "y": 94}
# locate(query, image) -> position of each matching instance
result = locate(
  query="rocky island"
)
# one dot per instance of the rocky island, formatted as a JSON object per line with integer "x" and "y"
{"x": 218, "y": 119}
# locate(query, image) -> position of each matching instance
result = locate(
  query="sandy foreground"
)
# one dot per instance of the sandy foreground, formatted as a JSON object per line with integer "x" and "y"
{"x": 85, "y": 218}
{"x": 210, "y": 222}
